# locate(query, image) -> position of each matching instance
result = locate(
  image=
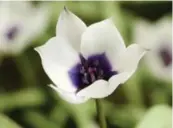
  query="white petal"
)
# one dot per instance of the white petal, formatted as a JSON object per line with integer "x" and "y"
{"x": 57, "y": 58}
{"x": 128, "y": 61}
{"x": 69, "y": 96}
{"x": 70, "y": 27}
{"x": 98, "y": 89}
{"x": 116, "y": 80}
{"x": 102, "y": 37}
{"x": 58, "y": 50}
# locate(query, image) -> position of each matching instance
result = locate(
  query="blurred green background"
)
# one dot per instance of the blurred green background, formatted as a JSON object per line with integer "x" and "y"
{"x": 142, "y": 102}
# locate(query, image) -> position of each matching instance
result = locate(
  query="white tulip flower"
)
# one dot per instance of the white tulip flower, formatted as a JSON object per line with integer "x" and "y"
{"x": 158, "y": 38}
{"x": 87, "y": 62}
{"x": 20, "y": 23}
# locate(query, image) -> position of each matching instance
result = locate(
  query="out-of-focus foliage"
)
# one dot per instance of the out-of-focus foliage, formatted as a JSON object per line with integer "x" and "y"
{"x": 26, "y": 99}
{"x": 157, "y": 117}
{"x": 7, "y": 123}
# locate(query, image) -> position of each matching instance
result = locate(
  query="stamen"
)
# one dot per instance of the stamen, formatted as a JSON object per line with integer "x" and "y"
{"x": 96, "y": 62}
{"x": 82, "y": 70}
{"x": 101, "y": 72}
{"x": 88, "y": 71}
{"x": 85, "y": 78}
{"x": 93, "y": 77}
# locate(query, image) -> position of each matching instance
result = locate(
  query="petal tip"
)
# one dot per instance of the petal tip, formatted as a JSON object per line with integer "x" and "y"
{"x": 110, "y": 20}
{"x": 53, "y": 87}
{"x": 36, "y": 49}
{"x": 65, "y": 9}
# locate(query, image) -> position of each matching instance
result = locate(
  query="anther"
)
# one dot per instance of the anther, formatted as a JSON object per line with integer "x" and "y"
{"x": 82, "y": 70}
{"x": 93, "y": 78}
{"x": 96, "y": 62}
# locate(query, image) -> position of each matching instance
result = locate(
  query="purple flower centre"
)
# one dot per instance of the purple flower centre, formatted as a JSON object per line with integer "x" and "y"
{"x": 12, "y": 32}
{"x": 89, "y": 70}
{"x": 166, "y": 56}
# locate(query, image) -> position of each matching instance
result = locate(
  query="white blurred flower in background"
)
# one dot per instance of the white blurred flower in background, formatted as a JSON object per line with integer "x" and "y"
{"x": 157, "y": 37}
{"x": 87, "y": 62}
{"x": 20, "y": 23}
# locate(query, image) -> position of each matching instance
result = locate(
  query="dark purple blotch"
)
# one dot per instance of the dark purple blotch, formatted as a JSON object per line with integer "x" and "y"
{"x": 89, "y": 70}
{"x": 166, "y": 56}
{"x": 12, "y": 32}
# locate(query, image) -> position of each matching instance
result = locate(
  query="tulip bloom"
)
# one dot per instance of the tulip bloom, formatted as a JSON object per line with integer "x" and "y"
{"x": 20, "y": 23}
{"x": 158, "y": 38}
{"x": 87, "y": 62}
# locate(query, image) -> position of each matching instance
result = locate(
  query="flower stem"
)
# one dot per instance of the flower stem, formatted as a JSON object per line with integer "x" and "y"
{"x": 100, "y": 114}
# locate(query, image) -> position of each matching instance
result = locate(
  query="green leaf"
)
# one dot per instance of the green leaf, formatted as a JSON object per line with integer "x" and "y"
{"x": 6, "y": 122}
{"x": 39, "y": 120}
{"x": 159, "y": 116}
{"x": 24, "y": 98}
